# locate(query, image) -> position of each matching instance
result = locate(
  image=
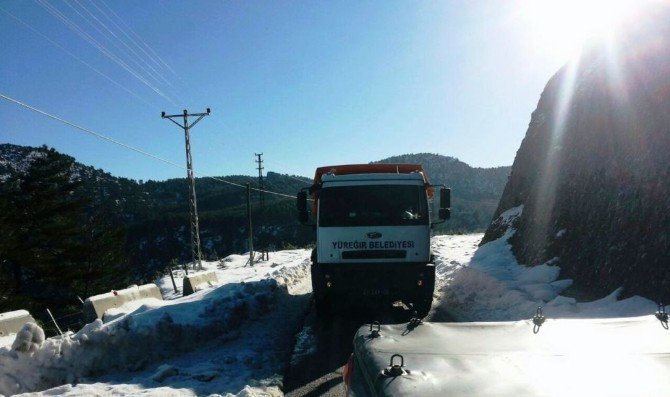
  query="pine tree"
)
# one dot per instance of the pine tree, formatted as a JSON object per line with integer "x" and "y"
{"x": 6, "y": 243}
{"x": 104, "y": 263}
{"x": 46, "y": 219}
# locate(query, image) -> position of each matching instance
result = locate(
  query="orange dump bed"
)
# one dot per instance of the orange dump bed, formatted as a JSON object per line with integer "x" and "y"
{"x": 350, "y": 169}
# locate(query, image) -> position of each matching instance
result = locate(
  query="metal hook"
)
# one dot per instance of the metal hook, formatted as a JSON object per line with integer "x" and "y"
{"x": 375, "y": 332}
{"x": 662, "y": 316}
{"x": 395, "y": 369}
{"x": 402, "y": 360}
{"x": 538, "y": 320}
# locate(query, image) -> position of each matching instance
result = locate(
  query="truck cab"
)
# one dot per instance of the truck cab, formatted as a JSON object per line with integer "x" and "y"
{"x": 372, "y": 235}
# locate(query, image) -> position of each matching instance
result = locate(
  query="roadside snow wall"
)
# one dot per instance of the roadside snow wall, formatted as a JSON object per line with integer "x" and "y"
{"x": 12, "y": 322}
{"x": 195, "y": 282}
{"x": 150, "y": 333}
{"x": 96, "y": 306}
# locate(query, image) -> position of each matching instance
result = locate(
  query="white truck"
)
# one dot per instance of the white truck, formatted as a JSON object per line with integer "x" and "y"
{"x": 372, "y": 235}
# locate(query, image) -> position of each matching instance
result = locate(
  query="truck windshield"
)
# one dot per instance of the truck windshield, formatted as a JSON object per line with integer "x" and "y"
{"x": 377, "y": 205}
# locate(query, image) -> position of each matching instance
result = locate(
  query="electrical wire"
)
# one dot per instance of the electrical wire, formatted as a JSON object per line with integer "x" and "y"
{"x": 65, "y": 50}
{"x": 75, "y": 28}
{"x": 132, "y": 41}
{"x": 129, "y": 147}
{"x": 133, "y": 56}
{"x": 141, "y": 41}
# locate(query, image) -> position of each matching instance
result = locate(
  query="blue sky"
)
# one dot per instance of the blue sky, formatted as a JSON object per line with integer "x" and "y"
{"x": 306, "y": 83}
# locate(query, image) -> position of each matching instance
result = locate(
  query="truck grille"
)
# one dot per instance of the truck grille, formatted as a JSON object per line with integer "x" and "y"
{"x": 374, "y": 254}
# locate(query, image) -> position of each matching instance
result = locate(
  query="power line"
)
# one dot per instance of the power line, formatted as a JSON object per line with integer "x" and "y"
{"x": 120, "y": 29}
{"x": 137, "y": 60}
{"x": 129, "y": 147}
{"x": 140, "y": 40}
{"x": 83, "y": 34}
{"x": 75, "y": 57}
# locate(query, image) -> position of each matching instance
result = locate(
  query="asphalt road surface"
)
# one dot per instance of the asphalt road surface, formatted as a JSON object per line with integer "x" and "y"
{"x": 319, "y": 373}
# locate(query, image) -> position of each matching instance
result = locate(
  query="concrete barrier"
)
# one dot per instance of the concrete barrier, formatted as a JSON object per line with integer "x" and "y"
{"x": 12, "y": 322}
{"x": 96, "y": 306}
{"x": 198, "y": 281}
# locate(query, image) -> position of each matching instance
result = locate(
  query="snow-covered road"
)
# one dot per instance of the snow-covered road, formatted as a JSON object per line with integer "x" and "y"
{"x": 239, "y": 339}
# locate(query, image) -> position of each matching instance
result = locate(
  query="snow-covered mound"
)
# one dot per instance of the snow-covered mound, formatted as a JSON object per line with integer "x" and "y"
{"x": 493, "y": 286}
{"x": 217, "y": 340}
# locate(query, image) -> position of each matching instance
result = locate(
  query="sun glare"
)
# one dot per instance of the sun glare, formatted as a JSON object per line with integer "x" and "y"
{"x": 562, "y": 27}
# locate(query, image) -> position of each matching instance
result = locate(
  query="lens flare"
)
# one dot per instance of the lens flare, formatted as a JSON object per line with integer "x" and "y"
{"x": 562, "y": 27}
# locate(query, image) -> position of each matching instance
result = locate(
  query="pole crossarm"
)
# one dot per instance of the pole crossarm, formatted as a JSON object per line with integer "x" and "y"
{"x": 170, "y": 118}
{"x": 198, "y": 119}
{"x": 167, "y": 116}
{"x": 260, "y": 177}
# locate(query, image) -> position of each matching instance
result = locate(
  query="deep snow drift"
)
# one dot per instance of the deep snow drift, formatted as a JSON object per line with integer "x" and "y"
{"x": 492, "y": 286}
{"x": 236, "y": 339}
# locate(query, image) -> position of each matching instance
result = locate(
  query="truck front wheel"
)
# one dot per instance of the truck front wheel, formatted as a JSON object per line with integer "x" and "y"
{"x": 323, "y": 305}
{"x": 422, "y": 304}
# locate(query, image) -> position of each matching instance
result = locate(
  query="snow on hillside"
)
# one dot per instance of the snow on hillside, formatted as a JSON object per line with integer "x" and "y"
{"x": 488, "y": 284}
{"x": 17, "y": 158}
{"x": 236, "y": 339}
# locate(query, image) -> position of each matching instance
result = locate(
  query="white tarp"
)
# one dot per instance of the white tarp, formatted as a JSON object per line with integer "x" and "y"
{"x": 566, "y": 357}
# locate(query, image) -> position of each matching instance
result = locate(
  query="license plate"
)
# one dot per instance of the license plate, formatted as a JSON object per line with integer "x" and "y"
{"x": 374, "y": 292}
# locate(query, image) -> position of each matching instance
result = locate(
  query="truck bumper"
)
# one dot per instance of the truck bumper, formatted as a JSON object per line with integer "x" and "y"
{"x": 382, "y": 282}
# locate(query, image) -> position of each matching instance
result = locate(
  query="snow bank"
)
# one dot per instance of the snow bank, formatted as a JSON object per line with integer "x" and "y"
{"x": 129, "y": 307}
{"x": 198, "y": 281}
{"x": 288, "y": 267}
{"x": 493, "y": 286}
{"x": 29, "y": 338}
{"x": 96, "y": 306}
{"x": 234, "y": 338}
{"x": 11, "y": 323}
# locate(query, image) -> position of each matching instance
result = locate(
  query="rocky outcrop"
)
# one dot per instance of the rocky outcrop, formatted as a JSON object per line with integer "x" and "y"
{"x": 593, "y": 171}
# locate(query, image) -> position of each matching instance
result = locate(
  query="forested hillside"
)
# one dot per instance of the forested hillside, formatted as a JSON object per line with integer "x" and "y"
{"x": 71, "y": 230}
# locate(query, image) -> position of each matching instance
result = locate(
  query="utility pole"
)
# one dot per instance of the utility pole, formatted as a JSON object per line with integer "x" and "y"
{"x": 260, "y": 177}
{"x": 251, "y": 233}
{"x": 196, "y": 254}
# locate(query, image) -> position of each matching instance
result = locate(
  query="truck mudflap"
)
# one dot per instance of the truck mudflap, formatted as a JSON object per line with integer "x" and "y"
{"x": 558, "y": 357}
{"x": 374, "y": 282}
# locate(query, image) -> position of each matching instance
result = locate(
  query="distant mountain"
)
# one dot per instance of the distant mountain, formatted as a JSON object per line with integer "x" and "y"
{"x": 593, "y": 171}
{"x": 475, "y": 191}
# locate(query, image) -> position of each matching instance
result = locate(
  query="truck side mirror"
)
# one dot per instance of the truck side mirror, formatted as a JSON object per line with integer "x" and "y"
{"x": 445, "y": 203}
{"x": 302, "y": 207}
{"x": 445, "y": 198}
{"x": 444, "y": 214}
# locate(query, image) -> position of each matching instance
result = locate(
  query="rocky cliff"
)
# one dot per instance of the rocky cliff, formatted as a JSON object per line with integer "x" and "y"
{"x": 593, "y": 171}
